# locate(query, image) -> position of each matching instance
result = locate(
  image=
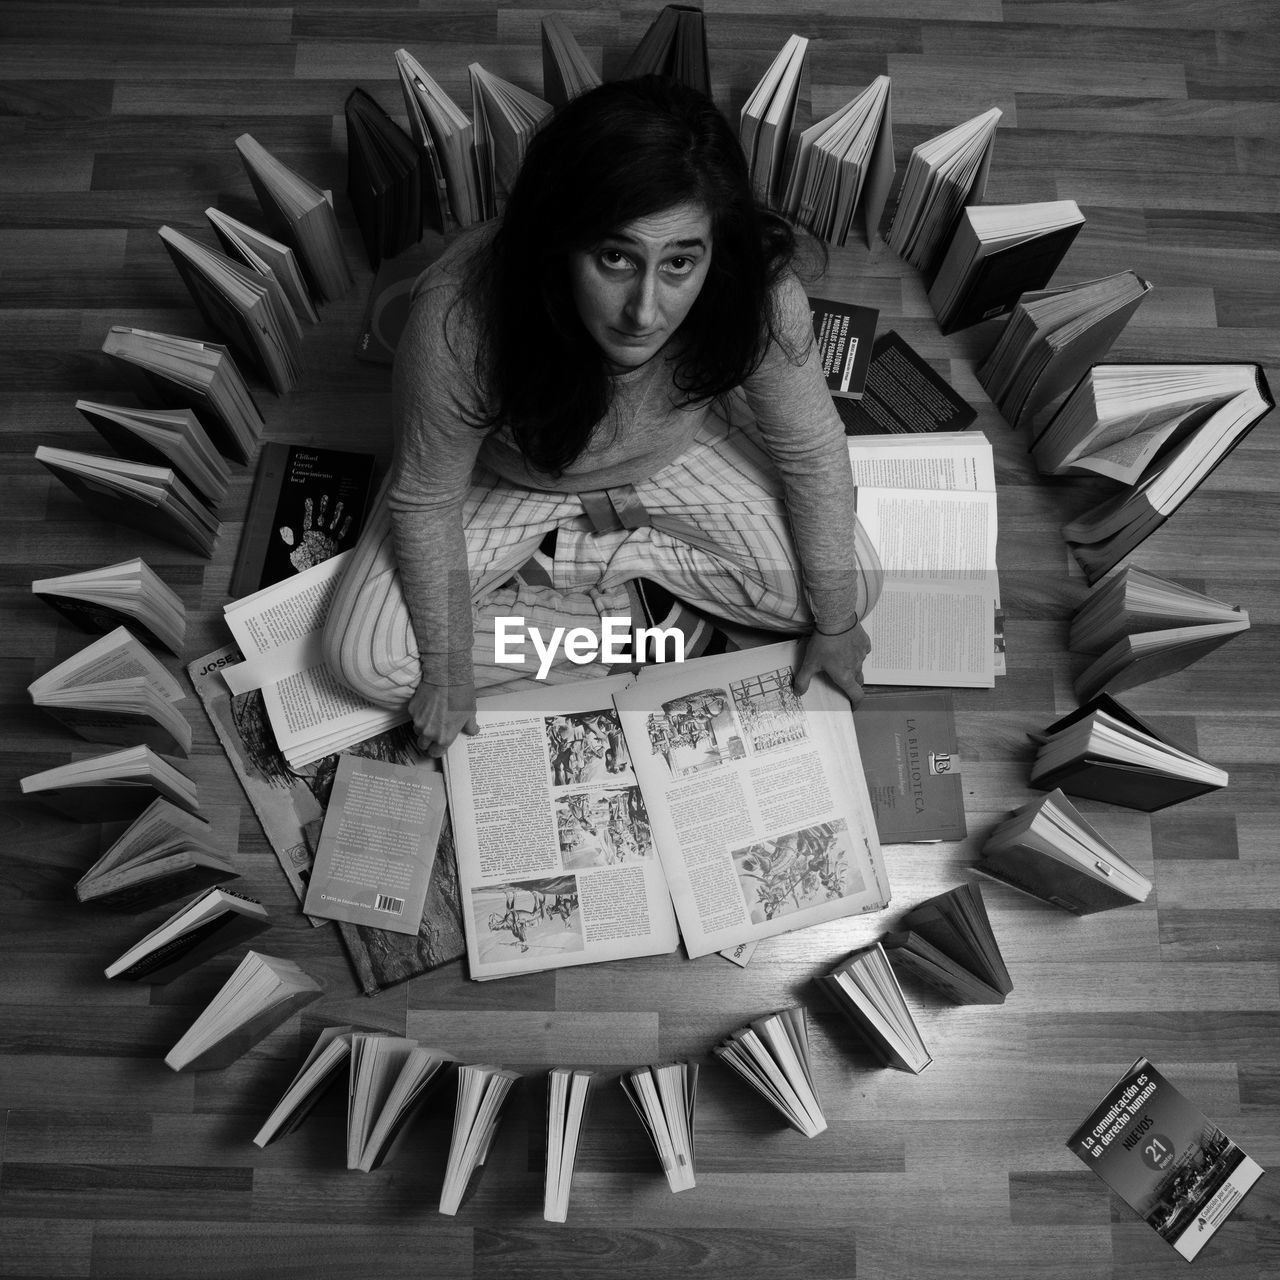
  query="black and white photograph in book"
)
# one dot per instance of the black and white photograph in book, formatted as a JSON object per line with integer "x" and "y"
{"x": 585, "y": 748}
{"x": 696, "y": 732}
{"x": 770, "y": 713}
{"x": 528, "y": 915}
{"x": 601, "y": 827}
{"x": 797, "y": 869}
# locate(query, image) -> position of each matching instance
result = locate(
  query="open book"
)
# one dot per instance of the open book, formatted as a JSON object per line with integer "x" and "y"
{"x": 390, "y": 1079}
{"x": 772, "y": 1055}
{"x": 113, "y": 787}
{"x": 675, "y": 44}
{"x": 568, "y": 1092}
{"x": 582, "y": 812}
{"x": 482, "y": 1094}
{"x": 268, "y": 257}
{"x": 665, "y": 1096}
{"x": 773, "y": 116}
{"x": 384, "y": 178}
{"x": 506, "y": 118}
{"x": 566, "y": 71}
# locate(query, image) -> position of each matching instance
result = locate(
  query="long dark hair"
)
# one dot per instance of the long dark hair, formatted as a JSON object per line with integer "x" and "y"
{"x": 626, "y": 150}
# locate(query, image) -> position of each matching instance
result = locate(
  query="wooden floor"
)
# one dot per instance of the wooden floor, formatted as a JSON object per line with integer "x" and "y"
{"x": 1162, "y": 119}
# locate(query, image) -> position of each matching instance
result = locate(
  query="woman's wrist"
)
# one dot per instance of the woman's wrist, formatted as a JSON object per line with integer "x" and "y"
{"x": 836, "y": 630}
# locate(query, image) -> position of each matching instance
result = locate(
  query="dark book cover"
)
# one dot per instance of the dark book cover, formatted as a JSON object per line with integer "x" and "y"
{"x": 903, "y": 393}
{"x": 844, "y": 333}
{"x": 911, "y": 760}
{"x": 181, "y": 954}
{"x": 99, "y": 619}
{"x": 908, "y": 950}
{"x": 1164, "y": 1158}
{"x": 306, "y": 506}
{"x": 162, "y": 881}
{"x": 387, "y": 311}
{"x": 384, "y": 179}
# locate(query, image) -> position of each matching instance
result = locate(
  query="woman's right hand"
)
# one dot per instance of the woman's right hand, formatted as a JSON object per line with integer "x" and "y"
{"x": 440, "y": 713}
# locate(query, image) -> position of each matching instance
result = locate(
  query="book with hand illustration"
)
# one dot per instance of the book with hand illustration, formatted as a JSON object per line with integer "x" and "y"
{"x": 947, "y": 942}
{"x": 261, "y": 994}
{"x": 943, "y": 175}
{"x": 114, "y": 787}
{"x": 301, "y": 214}
{"x": 566, "y": 70}
{"x": 152, "y": 499}
{"x": 903, "y": 393}
{"x": 775, "y": 114}
{"x": 664, "y": 1096}
{"x": 482, "y": 1092}
{"x": 129, "y": 594}
{"x": 307, "y": 504}
{"x": 1143, "y": 626}
{"x": 844, "y": 332}
{"x": 772, "y": 1055}
{"x": 384, "y": 178}
{"x": 167, "y": 370}
{"x": 1047, "y": 849}
{"x": 1165, "y": 1158}
{"x": 1104, "y": 751}
{"x": 866, "y": 991}
{"x": 445, "y": 138}
{"x": 997, "y": 253}
{"x": 568, "y": 1092}
{"x": 843, "y": 167}
{"x": 1051, "y": 339}
{"x": 163, "y": 438}
{"x": 1160, "y": 430}
{"x": 506, "y": 117}
{"x": 114, "y": 690}
{"x": 165, "y": 853}
{"x": 675, "y": 45}
{"x": 248, "y": 309}
{"x": 268, "y": 257}
{"x": 390, "y": 1079}
{"x": 216, "y": 921}
{"x": 320, "y": 1070}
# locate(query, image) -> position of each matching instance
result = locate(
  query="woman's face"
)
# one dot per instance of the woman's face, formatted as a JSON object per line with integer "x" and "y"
{"x": 634, "y": 289}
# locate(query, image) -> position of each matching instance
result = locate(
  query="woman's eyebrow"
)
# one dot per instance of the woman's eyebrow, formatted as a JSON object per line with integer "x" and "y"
{"x": 692, "y": 242}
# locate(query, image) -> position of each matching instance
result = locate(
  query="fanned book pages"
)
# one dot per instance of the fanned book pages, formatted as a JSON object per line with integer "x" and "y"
{"x": 664, "y": 1097}
{"x": 843, "y": 167}
{"x": 384, "y": 178}
{"x": 1052, "y": 337}
{"x": 300, "y": 213}
{"x": 445, "y": 138}
{"x": 163, "y": 438}
{"x": 321, "y": 1069}
{"x": 1143, "y": 627}
{"x": 389, "y": 1081}
{"x": 1104, "y": 751}
{"x": 1159, "y": 430}
{"x": 262, "y": 993}
{"x": 997, "y": 253}
{"x": 115, "y": 690}
{"x": 1046, "y": 848}
{"x": 167, "y": 370}
{"x": 943, "y": 175}
{"x": 865, "y": 990}
{"x": 268, "y": 257}
{"x": 482, "y": 1094}
{"x": 566, "y": 70}
{"x": 165, "y": 853}
{"x": 129, "y": 594}
{"x": 774, "y": 115}
{"x": 216, "y": 921}
{"x": 674, "y": 45}
{"x": 249, "y": 310}
{"x": 506, "y": 118}
{"x": 772, "y": 1055}
{"x": 948, "y": 943}
{"x": 568, "y": 1092}
{"x": 114, "y": 787}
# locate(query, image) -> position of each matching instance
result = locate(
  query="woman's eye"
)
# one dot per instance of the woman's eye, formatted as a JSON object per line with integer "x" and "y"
{"x": 681, "y": 266}
{"x": 614, "y": 259}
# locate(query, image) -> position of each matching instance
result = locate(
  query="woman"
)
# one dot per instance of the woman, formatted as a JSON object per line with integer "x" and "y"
{"x": 625, "y": 359}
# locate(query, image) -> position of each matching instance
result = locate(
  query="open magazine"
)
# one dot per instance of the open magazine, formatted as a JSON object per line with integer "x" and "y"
{"x": 583, "y": 815}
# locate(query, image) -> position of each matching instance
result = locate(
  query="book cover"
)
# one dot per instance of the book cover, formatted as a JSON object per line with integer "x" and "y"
{"x": 912, "y": 762}
{"x": 1165, "y": 1159}
{"x": 903, "y": 393}
{"x": 307, "y": 505}
{"x": 390, "y": 297}
{"x": 844, "y": 333}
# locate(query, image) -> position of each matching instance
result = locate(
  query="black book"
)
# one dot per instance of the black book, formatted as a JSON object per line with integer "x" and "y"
{"x": 1048, "y": 850}
{"x": 997, "y": 253}
{"x": 844, "y": 332}
{"x": 903, "y": 393}
{"x": 566, "y": 72}
{"x": 306, "y": 506}
{"x": 384, "y": 178}
{"x": 674, "y": 45}
{"x": 948, "y": 943}
{"x": 1104, "y": 751}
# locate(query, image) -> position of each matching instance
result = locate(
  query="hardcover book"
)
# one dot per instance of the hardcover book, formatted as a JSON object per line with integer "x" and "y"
{"x": 675, "y": 45}
{"x": 566, "y": 71}
{"x": 384, "y": 178}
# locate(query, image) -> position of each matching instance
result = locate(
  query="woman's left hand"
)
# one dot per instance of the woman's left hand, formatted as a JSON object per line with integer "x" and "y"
{"x": 839, "y": 658}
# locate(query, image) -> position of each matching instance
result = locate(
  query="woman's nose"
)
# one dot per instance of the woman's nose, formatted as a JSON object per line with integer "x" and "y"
{"x": 642, "y": 303}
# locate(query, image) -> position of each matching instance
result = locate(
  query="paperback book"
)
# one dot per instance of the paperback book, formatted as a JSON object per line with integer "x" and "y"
{"x": 844, "y": 333}
{"x": 113, "y": 787}
{"x": 1165, "y": 1158}
{"x": 505, "y": 118}
{"x": 320, "y": 1070}
{"x": 129, "y": 594}
{"x": 566, "y": 70}
{"x": 1046, "y": 848}
{"x": 568, "y": 1093}
{"x": 774, "y": 116}
{"x": 772, "y": 1055}
{"x": 390, "y": 1078}
{"x": 903, "y": 393}
{"x": 268, "y": 257}
{"x": 482, "y": 1094}
{"x": 665, "y": 1097}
